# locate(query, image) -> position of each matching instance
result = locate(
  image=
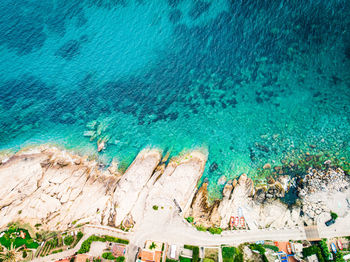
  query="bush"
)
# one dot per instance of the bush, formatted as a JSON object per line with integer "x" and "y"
{"x": 155, "y": 207}
{"x": 116, "y": 240}
{"x": 24, "y": 254}
{"x": 171, "y": 260}
{"x": 339, "y": 257}
{"x": 189, "y": 219}
{"x": 68, "y": 240}
{"x": 108, "y": 255}
{"x": 272, "y": 247}
{"x": 120, "y": 259}
{"x": 215, "y": 230}
{"x": 228, "y": 253}
{"x": 185, "y": 259}
{"x": 208, "y": 260}
{"x": 201, "y": 228}
{"x": 324, "y": 248}
{"x": 334, "y": 215}
{"x": 258, "y": 248}
{"x": 57, "y": 251}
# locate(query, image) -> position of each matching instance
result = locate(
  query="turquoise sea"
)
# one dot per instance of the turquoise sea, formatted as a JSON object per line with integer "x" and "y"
{"x": 250, "y": 81}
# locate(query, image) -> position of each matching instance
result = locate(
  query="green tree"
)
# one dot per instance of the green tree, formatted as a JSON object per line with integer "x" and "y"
{"x": 120, "y": 259}
{"x": 68, "y": 240}
{"x": 334, "y": 215}
{"x": 152, "y": 246}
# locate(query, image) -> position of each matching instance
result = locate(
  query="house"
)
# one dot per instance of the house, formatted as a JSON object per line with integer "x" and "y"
{"x": 312, "y": 258}
{"x": 118, "y": 250}
{"x": 151, "y": 253}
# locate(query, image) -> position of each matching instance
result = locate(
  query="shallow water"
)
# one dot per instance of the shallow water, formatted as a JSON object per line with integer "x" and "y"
{"x": 250, "y": 81}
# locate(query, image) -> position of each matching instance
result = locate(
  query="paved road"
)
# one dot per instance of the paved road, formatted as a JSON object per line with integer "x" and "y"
{"x": 176, "y": 231}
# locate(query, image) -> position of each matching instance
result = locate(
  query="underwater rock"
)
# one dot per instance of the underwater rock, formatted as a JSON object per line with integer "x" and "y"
{"x": 267, "y": 166}
{"x": 222, "y": 180}
{"x": 89, "y": 133}
{"x": 213, "y": 167}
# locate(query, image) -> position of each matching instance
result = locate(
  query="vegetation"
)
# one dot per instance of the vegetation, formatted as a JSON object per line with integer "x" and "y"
{"x": 339, "y": 257}
{"x": 12, "y": 237}
{"x": 57, "y": 251}
{"x": 272, "y": 247}
{"x": 334, "y": 215}
{"x": 189, "y": 219}
{"x": 171, "y": 260}
{"x": 120, "y": 259}
{"x": 108, "y": 255}
{"x": 208, "y": 260}
{"x": 185, "y": 259}
{"x": 79, "y": 236}
{"x": 195, "y": 252}
{"x": 85, "y": 246}
{"x": 152, "y": 246}
{"x": 308, "y": 251}
{"x": 258, "y": 247}
{"x": 11, "y": 254}
{"x": 155, "y": 207}
{"x": 201, "y": 228}
{"x": 215, "y": 230}
{"x": 68, "y": 240}
{"x": 324, "y": 248}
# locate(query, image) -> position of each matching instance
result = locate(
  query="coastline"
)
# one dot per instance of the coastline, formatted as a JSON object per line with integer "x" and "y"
{"x": 158, "y": 173}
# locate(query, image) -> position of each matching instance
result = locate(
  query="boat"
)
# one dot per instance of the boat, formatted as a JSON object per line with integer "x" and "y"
{"x": 289, "y": 248}
{"x": 339, "y": 244}
{"x": 242, "y": 222}
{"x": 333, "y": 247}
{"x": 236, "y": 221}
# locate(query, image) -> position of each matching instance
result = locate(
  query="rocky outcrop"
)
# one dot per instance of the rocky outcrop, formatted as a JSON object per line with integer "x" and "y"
{"x": 54, "y": 188}
{"x": 203, "y": 213}
{"x": 49, "y": 186}
{"x": 133, "y": 181}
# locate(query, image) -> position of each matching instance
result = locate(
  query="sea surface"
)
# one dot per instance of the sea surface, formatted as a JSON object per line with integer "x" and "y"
{"x": 251, "y": 82}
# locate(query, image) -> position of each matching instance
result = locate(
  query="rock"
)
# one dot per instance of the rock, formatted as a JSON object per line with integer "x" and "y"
{"x": 327, "y": 162}
{"x": 260, "y": 195}
{"x": 213, "y": 167}
{"x": 222, "y": 180}
{"x": 267, "y": 166}
{"x": 89, "y": 133}
{"x": 313, "y": 146}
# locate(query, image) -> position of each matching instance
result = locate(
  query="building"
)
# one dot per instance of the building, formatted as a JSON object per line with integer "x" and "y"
{"x": 312, "y": 258}
{"x": 151, "y": 253}
{"x": 118, "y": 250}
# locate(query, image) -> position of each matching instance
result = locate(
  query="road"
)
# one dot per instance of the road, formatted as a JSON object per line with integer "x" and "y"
{"x": 170, "y": 227}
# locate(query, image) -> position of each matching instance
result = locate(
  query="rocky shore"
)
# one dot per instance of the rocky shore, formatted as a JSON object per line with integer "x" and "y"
{"x": 51, "y": 187}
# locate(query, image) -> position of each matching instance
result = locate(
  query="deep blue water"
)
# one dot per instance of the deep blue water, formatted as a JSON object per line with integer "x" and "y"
{"x": 250, "y": 81}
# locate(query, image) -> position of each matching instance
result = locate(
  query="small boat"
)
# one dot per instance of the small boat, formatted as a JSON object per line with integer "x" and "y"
{"x": 236, "y": 221}
{"x": 232, "y": 222}
{"x": 334, "y": 249}
{"x": 339, "y": 244}
{"x": 242, "y": 222}
{"x": 289, "y": 248}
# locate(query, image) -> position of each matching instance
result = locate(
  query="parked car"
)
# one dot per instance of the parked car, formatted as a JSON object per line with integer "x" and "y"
{"x": 330, "y": 222}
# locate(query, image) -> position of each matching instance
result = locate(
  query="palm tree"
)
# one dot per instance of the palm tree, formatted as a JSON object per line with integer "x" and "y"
{"x": 152, "y": 246}
{"x": 11, "y": 254}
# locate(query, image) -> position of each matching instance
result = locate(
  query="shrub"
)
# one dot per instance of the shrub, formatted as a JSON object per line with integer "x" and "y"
{"x": 171, "y": 260}
{"x": 208, "y": 260}
{"x": 339, "y": 257}
{"x": 334, "y": 215}
{"x": 120, "y": 259}
{"x": 57, "y": 251}
{"x": 24, "y": 254}
{"x": 68, "y": 240}
{"x": 228, "y": 253}
{"x": 215, "y": 230}
{"x": 324, "y": 248}
{"x": 79, "y": 236}
{"x": 189, "y": 219}
{"x": 258, "y": 248}
{"x": 201, "y": 228}
{"x": 155, "y": 207}
{"x": 272, "y": 247}
{"x": 108, "y": 255}
{"x": 185, "y": 259}
{"x": 116, "y": 240}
